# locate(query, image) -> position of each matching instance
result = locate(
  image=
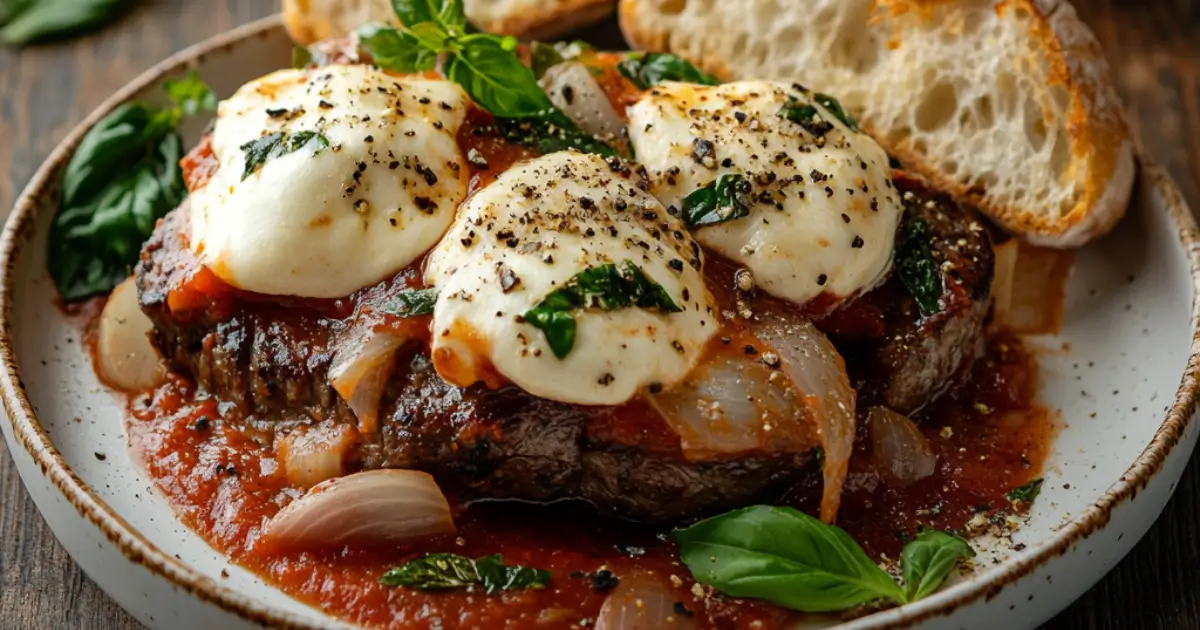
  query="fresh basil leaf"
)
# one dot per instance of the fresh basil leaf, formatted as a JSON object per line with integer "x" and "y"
{"x": 1026, "y": 493}
{"x": 495, "y": 576}
{"x": 396, "y": 50}
{"x": 835, "y": 108}
{"x": 496, "y": 79}
{"x": 606, "y": 287}
{"x": 277, "y": 144}
{"x": 302, "y": 57}
{"x": 94, "y": 244}
{"x": 413, "y": 12}
{"x": 52, "y": 18}
{"x": 432, "y": 36}
{"x": 721, "y": 201}
{"x": 119, "y": 139}
{"x": 191, "y": 95}
{"x": 453, "y": 16}
{"x": 650, "y": 69}
{"x": 927, "y": 559}
{"x": 9, "y": 9}
{"x": 806, "y": 116}
{"x": 917, "y": 269}
{"x": 549, "y": 132}
{"x": 785, "y": 557}
{"x": 542, "y": 57}
{"x": 411, "y": 303}
{"x": 450, "y": 570}
{"x": 433, "y": 571}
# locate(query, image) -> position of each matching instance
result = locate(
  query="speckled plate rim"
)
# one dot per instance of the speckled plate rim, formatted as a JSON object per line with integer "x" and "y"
{"x": 30, "y": 435}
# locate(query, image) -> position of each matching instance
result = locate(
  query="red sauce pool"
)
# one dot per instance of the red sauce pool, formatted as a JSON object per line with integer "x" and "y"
{"x": 990, "y": 437}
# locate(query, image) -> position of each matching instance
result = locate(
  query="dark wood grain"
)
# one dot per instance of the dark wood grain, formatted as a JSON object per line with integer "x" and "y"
{"x": 46, "y": 89}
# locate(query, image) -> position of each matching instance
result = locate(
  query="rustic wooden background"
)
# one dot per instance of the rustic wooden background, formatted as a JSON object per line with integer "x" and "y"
{"x": 46, "y": 89}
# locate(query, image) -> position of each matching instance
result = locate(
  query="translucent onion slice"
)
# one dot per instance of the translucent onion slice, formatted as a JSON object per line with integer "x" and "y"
{"x": 734, "y": 403}
{"x": 126, "y": 357}
{"x": 818, "y": 372}
{"x": 314, "y": 454}
{"x": 573, "y": 89}
{"x": 360, "y": 368}
{"x": 378, "y": 507}
{"x": 900, "y": 451}
{"x": 640, "y": 602}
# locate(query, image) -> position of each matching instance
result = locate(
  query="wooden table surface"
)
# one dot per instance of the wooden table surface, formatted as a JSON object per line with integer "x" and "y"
{"x": 46, "y": 89}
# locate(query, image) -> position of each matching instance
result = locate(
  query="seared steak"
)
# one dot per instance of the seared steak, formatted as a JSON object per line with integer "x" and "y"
{"x": 273, "y": 362}
{"x": 898, "y": 357}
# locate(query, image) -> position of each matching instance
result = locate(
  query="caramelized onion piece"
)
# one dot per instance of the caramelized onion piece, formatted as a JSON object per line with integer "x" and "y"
{"x": 312, "y": 454}
{"x": 378, "y": 507}
{"x": 1029, "y": 287}
{"x": 641, "y": 602}
{"x": 360, "y": 369}
{"x": 573, "y": 89}
{"x": 819, "y": 373}
{"x": 900, "y": 451}
{"x": 125, "y": 355}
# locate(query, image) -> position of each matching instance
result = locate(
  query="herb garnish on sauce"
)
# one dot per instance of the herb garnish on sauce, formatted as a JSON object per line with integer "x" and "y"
{"x": 122, "y": 178}
{"x": 485, "y": 65}
{"x": 1026, "y": 493}
{"x": 437, "y": 571}
{"x": 794, "y": 560}
{"x": 917, "y": 269}
{"x": 606, "y": 287}
{"x": 411, "y": 303}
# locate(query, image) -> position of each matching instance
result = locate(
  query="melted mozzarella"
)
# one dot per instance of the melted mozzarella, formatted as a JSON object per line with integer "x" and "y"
{"x": 527, "y": 234}
{"x": 324, "y": 222}
{"x": 824, "y": 212}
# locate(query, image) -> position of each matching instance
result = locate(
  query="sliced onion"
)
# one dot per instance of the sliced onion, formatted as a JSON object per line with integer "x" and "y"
{"x": 819, "y": 373}
{"x": 360, "y": 369}
{"x": 573, "y": 89}
{"x": 641, "y": 602}
{"x": 1029, "y": 287}
{"x": 900, "y": 451}
{"x": 126, "y": 357}
{"x": 313, "y": 454}
{"x": 378, "y": 507}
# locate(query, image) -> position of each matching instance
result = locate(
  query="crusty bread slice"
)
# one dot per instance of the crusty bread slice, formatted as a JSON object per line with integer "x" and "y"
{"x": 1007, "y": 103}
{"x": 310, "y": 21}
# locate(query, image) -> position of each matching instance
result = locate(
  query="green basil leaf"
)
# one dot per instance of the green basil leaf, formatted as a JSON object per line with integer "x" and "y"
{"x": 277, "y": 144}
{"x": 542, "y": 57}
{"x": 785, "y": 557}
{"x": 191, "y": 95}
{"x": 806, "y": 116}
{"x": 917, "y": 269}
{"x": 411, "y": 303}
{"x": 450, "y": 570}
{"x": 396, "y": 50}
{"x": 9, "y": 9}
{"x": 302, "y": 57}
{"x": 53, "y": 18}
{"x": 107, "y": 149}
{"x": 549, "y": 132}
{"x": 724, "y": 200}
{"x": 1027, "y": 492}
{"x": 495, "y": 78}
{"x": 433, "y": 571}
{"x": 413, "y": 12}
{"x": 605, "y": 287}
{"x": 650, "y": 69}
{"x": 495, "y": 576}
{"x": 927, "y": 559}
{"x": 432, "y": 36}
{"x": 453, "y": 16}
{"x": 94, "y": 244}
{"x": 835, "y": 108}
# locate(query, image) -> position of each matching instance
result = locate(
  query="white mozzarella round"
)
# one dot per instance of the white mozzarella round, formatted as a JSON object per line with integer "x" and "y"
{"x": 823, "y": 212}
{"x": 529, "y": 233}
{"x": 323, "y": 221}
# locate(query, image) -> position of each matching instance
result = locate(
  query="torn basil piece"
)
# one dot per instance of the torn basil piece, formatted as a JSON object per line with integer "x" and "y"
{"x": 647, "y": 69}
{"x": 605, "y": 287}
{"x": 917, "y": 269}
{"x": 724, "y": 200}
{"x": 442, "y": 571}
{"x": 411, "y": 303}
{"x": 278, "y": 144}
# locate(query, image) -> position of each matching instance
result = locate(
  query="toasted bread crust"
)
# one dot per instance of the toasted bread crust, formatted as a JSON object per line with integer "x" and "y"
{"x": 310, "y": 21}
{"x": 1101, "y": 164}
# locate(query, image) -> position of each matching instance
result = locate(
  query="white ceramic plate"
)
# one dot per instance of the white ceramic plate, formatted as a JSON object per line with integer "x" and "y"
{"x": 1125, "y": 389}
